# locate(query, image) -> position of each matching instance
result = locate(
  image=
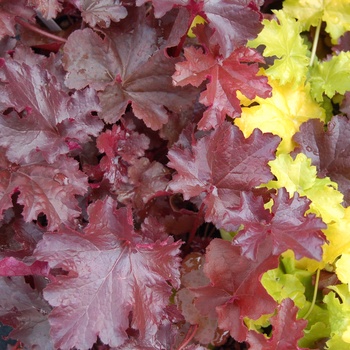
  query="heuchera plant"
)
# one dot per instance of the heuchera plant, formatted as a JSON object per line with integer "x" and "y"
{"x": 175, "y": 174}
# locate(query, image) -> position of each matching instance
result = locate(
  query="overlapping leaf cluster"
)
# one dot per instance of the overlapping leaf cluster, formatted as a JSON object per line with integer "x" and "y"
{"x": 175, "y": 174}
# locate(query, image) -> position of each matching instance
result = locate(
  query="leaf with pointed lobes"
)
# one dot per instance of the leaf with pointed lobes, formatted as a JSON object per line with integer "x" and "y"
{"x": 10, "y": 266}
{"x": 226, "y": 76}
{"x": 285, "y": 227}
{"x": 127, "y": 67}
{"x": 26, "y": 311}
{"x": 232, "y": 22}
{"x": 235, "y": 290}
{"x": 48, "y": 9}
{"x": 45, "y": 120}
{"x": 218, "y": 166}
{"x": 102, "y": 12}
{"x": 43, "y": 188}
{"x": 329, "y": 150}
{"x": 286, "y": 330}
{"x": 115, "y": 279}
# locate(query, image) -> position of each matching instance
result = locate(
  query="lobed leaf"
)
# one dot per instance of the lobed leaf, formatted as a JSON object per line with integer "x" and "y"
{"x": 336, "y": 14}
{"x": 232, "y": 22}
{"x": 233, "y": 287}
{"x": 102, "y": 12}
{"x": 9, "y": 9}
{"x": 226, "y": 77}
{"x": 292, "y": 55}
{"x": 286, "y": 330}
{"x": 330, "y": 77}
{"x": 25, "y": 309}
{"x": 219, "y": 166}
{"x": 281, "y": 114}
{"x": 297, "y": 175}
{"x": 43, "y": 188}
{"x": 285, "y": 227}
{"x": 120, "y": 274}
{"x": 328, "y": 149}
{"x": 337, "y": 302}
{"x": 49, "y": 8}
{"x": 45, "y": 121}
{"x": 126, "y": 67}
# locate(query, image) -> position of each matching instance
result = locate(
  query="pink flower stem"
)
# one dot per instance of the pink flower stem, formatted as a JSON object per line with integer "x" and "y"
{"x": 189, "y": 336}
{"x": 39, "y": 31}
{"x": 196, "y": 224}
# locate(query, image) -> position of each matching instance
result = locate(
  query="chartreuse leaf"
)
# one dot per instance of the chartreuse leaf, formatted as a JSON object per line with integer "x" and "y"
{"x": 259, "y": 324}
{"x": 298, "y": 175}
{"x": 281, "y": 286}
{"x": 326, "y": 202}
{"x": 336, "y": 14}
{"x": 338, "y": 238}
{"x": 229, "y": 235}
{"x": 281, "y": 114}
{"x": 330, "y": 76}
{"x": 197, "y": 20}
{"x": 289, "y": 281}
{"x": 342, "y": 268}
{"x": 338, "y": 304}
{"x": 290, "y": 266}
{"x": 317, "y": 331}
{"x": 287, "y": 45}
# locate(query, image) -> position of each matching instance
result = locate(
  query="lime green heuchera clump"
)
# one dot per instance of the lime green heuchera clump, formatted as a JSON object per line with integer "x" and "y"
{"x": 303, "y": 85}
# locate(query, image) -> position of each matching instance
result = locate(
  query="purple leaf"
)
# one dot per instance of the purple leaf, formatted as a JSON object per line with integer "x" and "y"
{"x": 120, "y": 275}
{"x": 219, "y": 166}
{"x": 127, "y": 67}
{"x": 286, "y": 227}
{"x": 329, "y": 150}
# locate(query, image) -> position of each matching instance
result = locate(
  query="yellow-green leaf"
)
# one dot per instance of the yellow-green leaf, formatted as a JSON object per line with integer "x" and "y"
{"x": 281, "y": 114}
{"x": 298, "y": 175}
{"x": 283, "y": 40}
{"x": 282, "y": 286}
{"x": 336, "y": 14}
{"x": 330, "y": 76}
{"x": 197, "y": 20}
{"x": 338, "y": 305}
{"x": 338, "y": 237}
{"x": 342, "y": 270}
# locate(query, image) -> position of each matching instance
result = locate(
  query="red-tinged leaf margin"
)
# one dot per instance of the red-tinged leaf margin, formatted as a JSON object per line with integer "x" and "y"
{"x": 10, "y": 266}
{"x": 120, "y": 274}
{"x": 285, "y": 227}
{"x": 286, "y": 330}
{"x": 220, "y": 165}
{"x": 25, "y": 309}
{"x": 235, "y": 290}
{"x": 238, "y": 72}
{"x": 49, "y": 189}
{"x": 329, "y": 150}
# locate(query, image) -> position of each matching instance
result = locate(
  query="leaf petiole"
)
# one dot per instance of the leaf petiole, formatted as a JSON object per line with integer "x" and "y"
{"x": 315, "y": 294}
{"x": 189, "y": 336}
{"x": 315, "y": 42}
{"x": 39, "y": 31}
